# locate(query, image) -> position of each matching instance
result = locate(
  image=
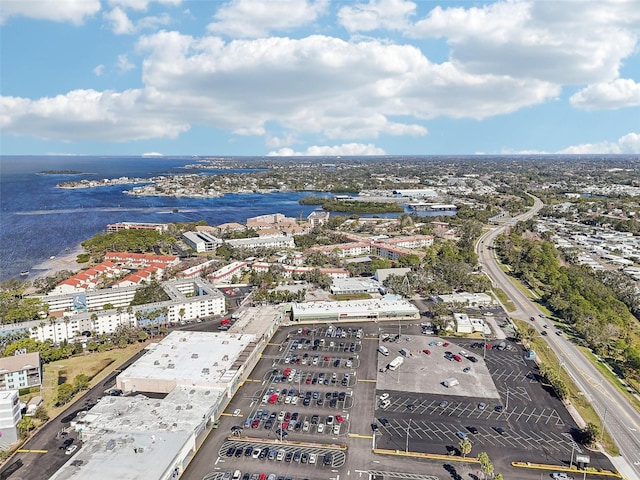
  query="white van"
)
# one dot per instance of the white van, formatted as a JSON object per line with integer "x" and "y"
{"x": 383, "y": 350}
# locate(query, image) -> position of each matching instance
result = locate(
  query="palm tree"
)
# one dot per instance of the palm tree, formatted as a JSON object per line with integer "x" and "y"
{"x": 42, "y": 325}
{"x": 130, "y": 313}
{"x": 66, "y": 321}
{"x": 94, "y": 322}
{"x": 465, "y": 446}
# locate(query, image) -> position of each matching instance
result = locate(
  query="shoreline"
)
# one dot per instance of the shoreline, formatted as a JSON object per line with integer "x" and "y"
{"x": 67, "y": 261}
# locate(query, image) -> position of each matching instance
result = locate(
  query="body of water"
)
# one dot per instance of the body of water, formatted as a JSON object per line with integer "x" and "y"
{"x": 38, "y": 220}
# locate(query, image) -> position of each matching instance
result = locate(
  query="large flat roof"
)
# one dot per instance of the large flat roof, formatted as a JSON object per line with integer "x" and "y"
{"x": 384, "y": 304}
{"x": 207, "y": 359}
{"x": 136, "y": 438}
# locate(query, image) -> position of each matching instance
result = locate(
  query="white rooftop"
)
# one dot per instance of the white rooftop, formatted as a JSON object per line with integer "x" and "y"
{"x": 136, "y": 438}
{"x": 205, "y": 362}
{"x": 384, "y": 304}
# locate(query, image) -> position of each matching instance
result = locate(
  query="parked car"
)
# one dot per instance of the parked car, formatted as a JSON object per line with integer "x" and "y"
{"x": 461, "y": 435}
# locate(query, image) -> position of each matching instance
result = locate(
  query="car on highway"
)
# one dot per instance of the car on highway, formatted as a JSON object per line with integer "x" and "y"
{"x": 543, "y": 333}
{"x": 533, "y": 319}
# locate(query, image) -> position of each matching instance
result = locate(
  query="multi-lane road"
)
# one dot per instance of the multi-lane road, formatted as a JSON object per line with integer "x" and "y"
{"x": 620, "y": 418}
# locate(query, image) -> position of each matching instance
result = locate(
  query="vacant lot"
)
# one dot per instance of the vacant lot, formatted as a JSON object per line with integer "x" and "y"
{"x": 95, "y": 365}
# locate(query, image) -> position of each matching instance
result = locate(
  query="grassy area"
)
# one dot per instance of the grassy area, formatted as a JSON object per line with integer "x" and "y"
{"x": 504, "y": 300}
{"x": 545, "y": 355}
{"x": 96, "y": 366}
{"x": 613, "y": 379}
{"x": 352, "y": 296}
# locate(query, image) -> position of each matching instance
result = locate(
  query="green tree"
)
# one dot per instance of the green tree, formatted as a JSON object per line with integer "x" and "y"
{"x": 589, "y": 434}
{"x": 65, "y": 393}
{"x": 41, "y": 414}
{"x": 465, "y": 446}
{"x": 498, "y": 476}
{"x": 81, "y": 382}
{"x": 25, "y": 425}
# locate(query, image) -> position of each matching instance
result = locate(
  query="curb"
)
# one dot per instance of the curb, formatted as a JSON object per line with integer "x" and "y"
{"x": 429, "y": 456}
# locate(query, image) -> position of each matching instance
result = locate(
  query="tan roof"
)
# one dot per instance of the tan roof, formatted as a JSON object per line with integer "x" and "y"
{"x": 16, "y": 363}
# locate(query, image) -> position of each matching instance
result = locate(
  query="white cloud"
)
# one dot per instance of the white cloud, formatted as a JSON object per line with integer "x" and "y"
{"x": 622, "y": 92}
{"x": 73, "y": 11}
{"x": 124, "y": 65}
{"x": 141, "y": 5}
{"x": 121, "y": 24}
{"x": 318, "y": 87}
{"x": 629, "y": 143}
{"x": 330, "y": 151}
{"x": 376, "y": 14}
{"x": 256, "y": 18}
{"x": 82, "y": 115}
{"x": 99, "y": 70}
{"x": 577, "y": 42}
{"x": 119, "y": 21}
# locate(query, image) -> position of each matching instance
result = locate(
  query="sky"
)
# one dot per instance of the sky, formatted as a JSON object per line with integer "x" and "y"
{"x": 319, "y": 77}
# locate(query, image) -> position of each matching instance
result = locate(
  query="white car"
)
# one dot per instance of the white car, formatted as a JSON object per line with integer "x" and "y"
{"x": 336, "y": 429}
{"x": 280, "y": 456}
{"x": 561, "y": 476}
{"x": 384, "y": 396}
{"x": 294, "y": 401}
{"x": 236, "y": 412}
{"x": 256, "y": 453}
{"x": 320, "y": 427}
{"x": 312, "y": 458}
{"x": 71, "y": 449}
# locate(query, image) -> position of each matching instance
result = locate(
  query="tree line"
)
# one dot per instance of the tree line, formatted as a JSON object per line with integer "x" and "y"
{"x": 595, "y": 310}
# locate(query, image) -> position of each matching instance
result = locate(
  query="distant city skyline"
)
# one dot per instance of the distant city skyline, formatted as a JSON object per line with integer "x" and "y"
{"x": 319, "y": 77}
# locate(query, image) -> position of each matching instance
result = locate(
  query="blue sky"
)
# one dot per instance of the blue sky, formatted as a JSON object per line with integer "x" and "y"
{"x": 319, "y": 77}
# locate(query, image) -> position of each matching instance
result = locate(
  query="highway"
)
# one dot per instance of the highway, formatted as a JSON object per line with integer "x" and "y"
{"x": 620, "y": 418}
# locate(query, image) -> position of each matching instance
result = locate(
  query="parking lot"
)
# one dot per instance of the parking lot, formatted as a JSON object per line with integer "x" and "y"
{"x": 317, "y": 390}
{"x": 523, "y": 420}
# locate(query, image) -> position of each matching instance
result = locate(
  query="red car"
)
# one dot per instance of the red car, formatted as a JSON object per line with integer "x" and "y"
{"x": 446, "y": 344}
{"x": 326, "y": 358}
{"x": 533, "y": 319}
{"x": 339, "y": 418}
{"x": 427, "y": 352}
{"x": 255, "y": 423}
{"x": 457, "y": 358}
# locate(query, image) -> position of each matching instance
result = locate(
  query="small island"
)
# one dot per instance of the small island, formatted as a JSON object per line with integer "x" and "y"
{"x": 60, "y": 172}
{"x": 352, "y": 205}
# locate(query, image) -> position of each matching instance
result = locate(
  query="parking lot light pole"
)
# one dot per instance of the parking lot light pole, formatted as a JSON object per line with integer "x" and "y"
{"x": 406, "y": 447}
{"x": 506, "y": 407}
